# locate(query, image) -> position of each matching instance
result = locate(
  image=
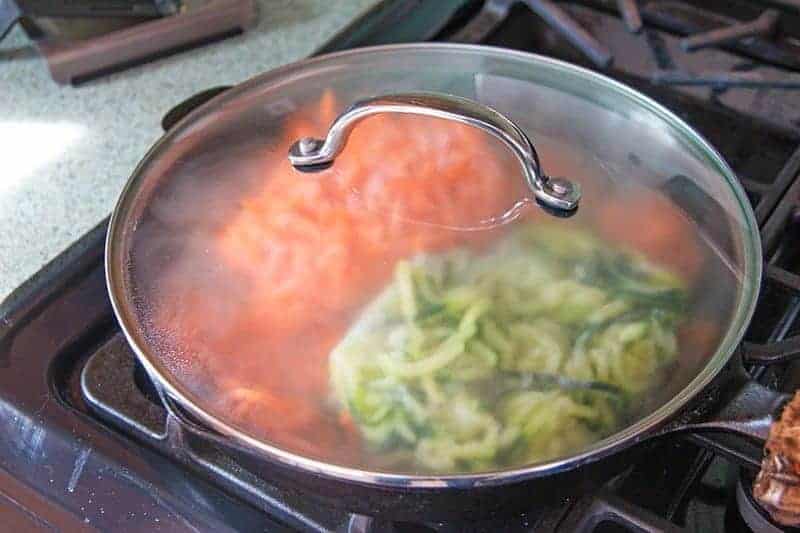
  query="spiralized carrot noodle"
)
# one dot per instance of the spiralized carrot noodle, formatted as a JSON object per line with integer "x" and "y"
{"x": 302, "y": 253}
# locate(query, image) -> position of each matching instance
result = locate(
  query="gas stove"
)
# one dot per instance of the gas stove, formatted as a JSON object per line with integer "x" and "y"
{"x": 87, "y": 444}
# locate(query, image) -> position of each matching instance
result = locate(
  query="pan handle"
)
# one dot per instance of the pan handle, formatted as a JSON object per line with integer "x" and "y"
{"x": 174, "y": 115}
{"x": 748, "y": 413}
{"x": 309, "y": 154}
{"x": 744, "y": 411}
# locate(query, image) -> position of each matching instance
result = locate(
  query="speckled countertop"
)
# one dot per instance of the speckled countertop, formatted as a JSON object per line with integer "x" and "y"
{"x": 65, "y": 152}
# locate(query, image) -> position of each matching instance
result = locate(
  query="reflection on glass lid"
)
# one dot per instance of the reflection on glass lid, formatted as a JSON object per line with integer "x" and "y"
{"x": 411, "y": 308}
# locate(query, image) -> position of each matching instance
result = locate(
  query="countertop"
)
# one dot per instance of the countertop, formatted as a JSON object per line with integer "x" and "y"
{"x": 65, "y": 152}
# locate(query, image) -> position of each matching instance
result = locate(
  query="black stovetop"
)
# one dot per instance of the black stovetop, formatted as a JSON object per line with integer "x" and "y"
{"x": 85, "y": 442}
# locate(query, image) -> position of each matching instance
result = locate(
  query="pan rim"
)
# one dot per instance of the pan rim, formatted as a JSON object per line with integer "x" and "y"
{"x": 618, "y": 441}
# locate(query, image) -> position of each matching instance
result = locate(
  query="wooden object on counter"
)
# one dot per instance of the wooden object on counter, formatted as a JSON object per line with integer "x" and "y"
{"x": 71, "y": 62}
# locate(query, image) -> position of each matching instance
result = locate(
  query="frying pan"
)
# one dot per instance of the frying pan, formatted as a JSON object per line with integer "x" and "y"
{"x": 595, "y": 114}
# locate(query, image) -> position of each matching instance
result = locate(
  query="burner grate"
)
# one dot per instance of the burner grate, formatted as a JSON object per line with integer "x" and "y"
{"x": 109, "y": 385}
{"x": 707, "y": 19}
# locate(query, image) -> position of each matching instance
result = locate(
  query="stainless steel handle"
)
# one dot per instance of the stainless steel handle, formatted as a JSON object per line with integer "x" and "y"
{"x": 557, "y": 193}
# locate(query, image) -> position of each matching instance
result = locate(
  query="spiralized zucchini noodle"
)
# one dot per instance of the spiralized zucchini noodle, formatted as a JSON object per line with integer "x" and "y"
{"x": 533, "y": 350}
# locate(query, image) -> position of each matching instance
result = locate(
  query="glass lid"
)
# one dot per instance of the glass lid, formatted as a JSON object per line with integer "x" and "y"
{"x": 375, "y": 260}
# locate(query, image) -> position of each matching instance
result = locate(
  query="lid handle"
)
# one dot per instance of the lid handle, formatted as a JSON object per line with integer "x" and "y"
{"x": 308, "y": 154}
